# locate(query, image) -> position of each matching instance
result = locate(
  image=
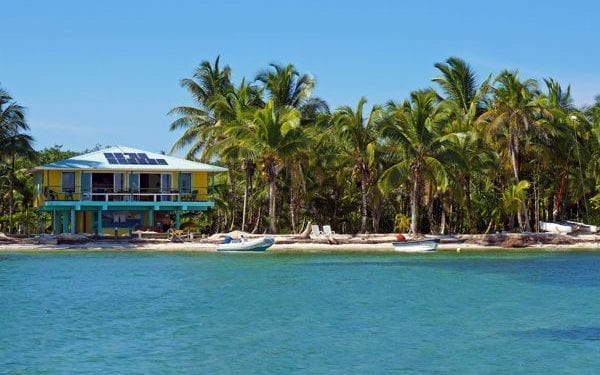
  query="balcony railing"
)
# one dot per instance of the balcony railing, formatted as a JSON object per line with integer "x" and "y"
{"x": 109, "y": 195}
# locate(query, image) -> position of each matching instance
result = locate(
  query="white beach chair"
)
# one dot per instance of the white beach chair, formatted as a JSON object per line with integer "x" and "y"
{"x": 315, "y": 232}
{"x": 327, "y": 230}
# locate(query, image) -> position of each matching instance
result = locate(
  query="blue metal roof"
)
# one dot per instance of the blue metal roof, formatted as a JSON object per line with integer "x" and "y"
{"x": 122, "y": 158}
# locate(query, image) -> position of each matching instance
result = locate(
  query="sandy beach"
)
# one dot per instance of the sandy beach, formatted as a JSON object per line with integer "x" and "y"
{"x": 295, "y": 243}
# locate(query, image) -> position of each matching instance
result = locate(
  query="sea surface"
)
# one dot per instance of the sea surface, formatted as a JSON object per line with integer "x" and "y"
{"x": 144, "y": 312}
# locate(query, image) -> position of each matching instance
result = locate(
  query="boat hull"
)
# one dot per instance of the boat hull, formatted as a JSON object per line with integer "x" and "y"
{"x": 258, "y": 245}
{"x": 556, "y": 227}
{"x": 417, "y": 246}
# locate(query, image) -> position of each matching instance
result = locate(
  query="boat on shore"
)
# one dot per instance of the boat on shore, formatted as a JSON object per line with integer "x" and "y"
{"x": 562, "y": 228}
{"x": 243, "y": 245}
{"x": 417, "y": 246}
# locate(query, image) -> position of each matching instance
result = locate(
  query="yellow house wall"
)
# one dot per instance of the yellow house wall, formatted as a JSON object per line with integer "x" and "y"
{"x": 175, "y": 180}
{"x": 54, "y": 180}
{"x": 200, "y": 183}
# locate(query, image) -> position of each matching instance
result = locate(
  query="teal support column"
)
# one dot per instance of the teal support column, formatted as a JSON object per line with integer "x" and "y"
{"x": 151, "y": 218}
{"x": 54, "y": 222}
{"x": 65, "y": 222}
{"x": 99, "y": 222}
{"x": 73, "y": 224}
{"x": 177, "y": 219}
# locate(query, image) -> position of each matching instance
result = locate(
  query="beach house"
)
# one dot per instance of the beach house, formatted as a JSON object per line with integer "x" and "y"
{"x": 120, "y": 189}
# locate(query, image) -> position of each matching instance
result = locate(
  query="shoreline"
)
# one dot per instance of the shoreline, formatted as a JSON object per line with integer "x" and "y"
{"x": 374, "y": 243}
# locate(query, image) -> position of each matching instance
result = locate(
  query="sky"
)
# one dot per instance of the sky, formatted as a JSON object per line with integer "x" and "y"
{"x": 107, "y": 72}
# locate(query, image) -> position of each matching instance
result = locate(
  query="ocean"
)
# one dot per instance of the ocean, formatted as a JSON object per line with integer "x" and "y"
{"x": 178, "y": 312}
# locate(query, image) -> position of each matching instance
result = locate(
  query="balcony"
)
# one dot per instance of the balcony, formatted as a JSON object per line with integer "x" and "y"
{"x": 109, "y": 199}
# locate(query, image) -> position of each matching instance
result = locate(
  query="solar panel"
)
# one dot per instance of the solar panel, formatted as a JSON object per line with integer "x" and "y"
{"x": 110, "y": 158}
{"x": 132, "y": 158}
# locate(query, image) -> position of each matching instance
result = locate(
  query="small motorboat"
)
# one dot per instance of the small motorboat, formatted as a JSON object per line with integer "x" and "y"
{"x": 259, "y": 244}
{"x": 562, "y": 227}
{"x": 417, "y": 246}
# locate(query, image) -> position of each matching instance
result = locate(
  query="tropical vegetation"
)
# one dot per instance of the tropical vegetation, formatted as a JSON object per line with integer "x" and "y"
{"x": 463, "y": 156}
{"x": 466, "y": 156}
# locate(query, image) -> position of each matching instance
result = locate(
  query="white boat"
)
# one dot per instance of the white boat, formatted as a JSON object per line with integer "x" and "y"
{"x": 259, "y": 244}
{"x": 584, "y": 228}
{"x": 417, "y": 246}
{"x": 557, "y": 227}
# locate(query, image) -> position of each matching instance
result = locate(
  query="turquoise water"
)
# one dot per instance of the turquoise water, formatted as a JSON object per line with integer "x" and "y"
{"x": 109, "y": 312}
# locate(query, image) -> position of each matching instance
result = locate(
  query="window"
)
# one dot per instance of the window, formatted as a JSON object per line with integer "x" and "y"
{"x": 68, "y": 182}
{"x": 119, "y": 182}
{"x": 186, "y": 183}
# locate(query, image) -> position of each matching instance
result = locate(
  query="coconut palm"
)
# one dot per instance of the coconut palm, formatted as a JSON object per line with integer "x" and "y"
{"x": 285, "y": 87}
{"x": 462, "y": 104}
{"x": 236, "y": 107}
{"x": 513, "y": 115}
{"x": 360, "y": 135}
{"x": 208, "y": 83}
{"x": 13, "y": 140}
{"x": 459, "y": 83}
{"x": 269, "y": 138}
{"x": 414, "y": 130}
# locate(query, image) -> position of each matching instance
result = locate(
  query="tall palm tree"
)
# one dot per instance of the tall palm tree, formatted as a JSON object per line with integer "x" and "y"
{"x": 511, "y": 117}
{"x": 285, "y": 87}
{"x": 360, "y": 135}
{"x": 414, "y": 131}
{"x": 459, "y": 83}
{"x": 208, "y": 83}
{"x": 236, "y": 108}
{"x": 269, "y": 138}
{"x": 462, "y": 104}
{"x": 13, "y": 140}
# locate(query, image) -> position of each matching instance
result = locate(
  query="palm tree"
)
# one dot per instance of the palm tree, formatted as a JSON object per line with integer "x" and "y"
{"x": 360, "y": 135}
{"x": 269, "y": 138}
{"x": 236, "y": 108}
{"x": 414, "y": 131}
{"x": 459, "y": 83}
{"x": 462, "y": 105}
{"x": 207, "y": 85}
{"x": 512, "y": 115}
{"x": 285, "y": 87}
{"x": 14, "y": 142}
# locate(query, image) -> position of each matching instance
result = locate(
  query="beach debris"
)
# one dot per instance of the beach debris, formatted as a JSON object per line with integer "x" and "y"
{"x": 6, "y": 239}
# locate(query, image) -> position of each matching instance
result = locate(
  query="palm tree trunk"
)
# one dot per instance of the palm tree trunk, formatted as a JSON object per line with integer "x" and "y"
{"x": 470, "y": 218}
{"x": 258, "y": 219}
{"x": 523, "y": 216}
{"x": 244, "y": 206}
{"x": 363, "y": 206}
{"x": 561, "y": 189}
{"x": 272, "y": 204}
{"x": 11, "y": 194}
{"x": 293, "y": 203}
{"x": 414, "y": 203}
{"x": 233, "y": 196}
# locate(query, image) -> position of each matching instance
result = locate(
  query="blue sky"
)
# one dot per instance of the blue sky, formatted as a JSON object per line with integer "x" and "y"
{"x": 108, "y": 72}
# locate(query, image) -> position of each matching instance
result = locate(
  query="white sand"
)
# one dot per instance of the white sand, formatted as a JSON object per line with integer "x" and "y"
{"x": 292, "y": 244}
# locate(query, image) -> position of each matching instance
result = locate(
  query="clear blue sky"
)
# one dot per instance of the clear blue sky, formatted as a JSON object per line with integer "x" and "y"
{"x": 108, "y": 71}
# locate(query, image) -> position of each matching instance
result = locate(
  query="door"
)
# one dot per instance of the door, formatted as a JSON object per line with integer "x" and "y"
{"x": 165, "y": 186}
{"x": 86, "y": 186}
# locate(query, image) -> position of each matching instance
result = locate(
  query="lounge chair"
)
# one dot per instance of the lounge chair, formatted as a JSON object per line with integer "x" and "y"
{"x": 327, "y": 230}
{"x": 315, "y": 232}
